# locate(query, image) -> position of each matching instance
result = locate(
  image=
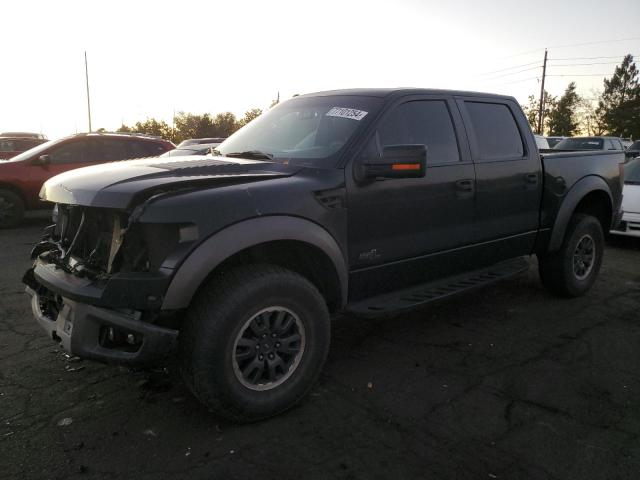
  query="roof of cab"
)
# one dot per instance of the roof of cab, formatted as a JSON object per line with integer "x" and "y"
{"x": 388, "y": 92}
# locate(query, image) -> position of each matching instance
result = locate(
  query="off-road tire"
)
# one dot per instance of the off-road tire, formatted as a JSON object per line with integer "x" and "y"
{"x": 11, "y": 209}
{"x": 557, "y": 270}
{"x": 216, "y": 318}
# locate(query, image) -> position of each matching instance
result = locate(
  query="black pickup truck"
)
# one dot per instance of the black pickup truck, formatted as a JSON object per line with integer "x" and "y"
{"x": 367, "y": 201}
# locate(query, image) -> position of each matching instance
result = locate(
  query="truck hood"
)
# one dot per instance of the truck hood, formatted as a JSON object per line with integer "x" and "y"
{"x": 631, "y": 198}
{"x": 117, "y": 184}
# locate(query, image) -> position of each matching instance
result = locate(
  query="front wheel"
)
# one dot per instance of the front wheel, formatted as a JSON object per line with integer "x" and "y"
{"x": 254, "y": 342}
{"x": 572, "y": 270}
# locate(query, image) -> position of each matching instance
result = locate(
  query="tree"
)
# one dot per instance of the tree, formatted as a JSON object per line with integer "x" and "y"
{"x": 532, "y": 108}
{"x": 225, "y": 124}
{"x": 531, "y": 111}
{"x": 250, "y": 115}
{"x": 189, "y": 125}
{"x": 619, "y": 105}
{"x": 590, "y": 123}
{"x": 150, "y": 126}
{"x": 563, "y": 120}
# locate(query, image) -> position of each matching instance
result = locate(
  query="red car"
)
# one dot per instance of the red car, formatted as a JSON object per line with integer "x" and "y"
{"x": 12, "y": 146}
{"x": 22, "y": 176}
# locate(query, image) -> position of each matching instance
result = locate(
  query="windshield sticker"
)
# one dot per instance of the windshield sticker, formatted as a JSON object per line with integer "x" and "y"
{"x": 343, "y": 112}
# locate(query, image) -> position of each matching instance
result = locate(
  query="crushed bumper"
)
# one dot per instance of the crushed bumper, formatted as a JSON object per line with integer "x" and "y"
{"x": 103, "y": 334}
{"x": 137, "y": 291}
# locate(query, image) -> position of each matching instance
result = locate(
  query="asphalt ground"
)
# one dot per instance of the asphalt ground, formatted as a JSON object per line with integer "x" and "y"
{"x": 507, "y": 382}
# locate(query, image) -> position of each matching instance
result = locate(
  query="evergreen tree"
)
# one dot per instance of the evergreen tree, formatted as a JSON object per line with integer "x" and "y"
{"x": 562, "y": 120}
{"x": 619, "y": 106}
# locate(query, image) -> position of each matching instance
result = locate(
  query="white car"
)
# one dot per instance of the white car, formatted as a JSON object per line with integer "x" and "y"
{"x": 541, "y": 142}
{"x": 631, "y": 200}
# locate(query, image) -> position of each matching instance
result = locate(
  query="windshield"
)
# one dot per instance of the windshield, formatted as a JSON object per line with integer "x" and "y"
{"x": 33, "y": 152}
{"x": 632, "y": 172}
{"x": 304, "y": 130}
{"x": 580, "y": 143}
{"x": 553, "y": 141}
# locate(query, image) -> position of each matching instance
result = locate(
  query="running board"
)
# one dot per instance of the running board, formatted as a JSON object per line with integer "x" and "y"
{"x": 430, "y": 292}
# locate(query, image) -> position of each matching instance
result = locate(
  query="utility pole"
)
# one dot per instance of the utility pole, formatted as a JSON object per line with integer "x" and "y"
{"x": 541, "y": 110}
{"x": 86, "y": 74}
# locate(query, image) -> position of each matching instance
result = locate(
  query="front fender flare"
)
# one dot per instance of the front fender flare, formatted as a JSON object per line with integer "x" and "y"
{"x": 577, "y": 192}
{"x": 231, "y": 240}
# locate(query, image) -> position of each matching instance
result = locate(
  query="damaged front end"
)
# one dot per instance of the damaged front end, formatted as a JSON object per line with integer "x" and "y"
{"x": 98, "y": 281}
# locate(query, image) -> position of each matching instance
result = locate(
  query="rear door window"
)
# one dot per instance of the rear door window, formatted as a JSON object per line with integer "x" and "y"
{"x": 496, "y": 133}
{"x": 114, "y": 149}
{"x": 153, "y": 149}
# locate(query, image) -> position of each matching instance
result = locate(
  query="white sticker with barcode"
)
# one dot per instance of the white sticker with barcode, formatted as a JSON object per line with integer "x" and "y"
{"x": 343, "y": 112}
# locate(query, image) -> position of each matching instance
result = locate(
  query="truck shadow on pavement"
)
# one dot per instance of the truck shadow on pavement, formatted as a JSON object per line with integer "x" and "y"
{"x": 503, "y": 382}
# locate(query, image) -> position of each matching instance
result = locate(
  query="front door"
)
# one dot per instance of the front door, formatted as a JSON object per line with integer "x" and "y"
{"x": 69, "y": 155}
{"x": 398, "y": 227}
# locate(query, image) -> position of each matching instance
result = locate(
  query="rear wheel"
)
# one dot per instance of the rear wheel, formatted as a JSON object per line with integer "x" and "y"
{"x": 11, "y": 209}
{"x": 572, "y": 270}
{"x": 254, "y": 342}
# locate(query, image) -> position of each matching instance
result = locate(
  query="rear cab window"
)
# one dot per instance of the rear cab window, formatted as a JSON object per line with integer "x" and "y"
{"x": 494, "y": 131}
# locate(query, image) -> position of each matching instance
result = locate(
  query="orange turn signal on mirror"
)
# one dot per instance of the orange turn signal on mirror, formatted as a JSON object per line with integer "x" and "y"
{"x": 405, "y": 166}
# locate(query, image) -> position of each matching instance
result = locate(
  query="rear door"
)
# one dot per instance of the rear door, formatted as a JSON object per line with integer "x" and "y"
{"x": 508, "y": 176}
{"x": 397, "y": 227}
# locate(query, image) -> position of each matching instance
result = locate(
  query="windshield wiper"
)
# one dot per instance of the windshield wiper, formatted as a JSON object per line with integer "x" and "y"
{"x": 251, "y": 154}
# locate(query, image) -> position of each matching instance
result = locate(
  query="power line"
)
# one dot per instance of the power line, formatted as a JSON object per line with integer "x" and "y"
{"x": 512, "y": 73}
{"x": 598, "y": 42}
{"x": 528, "y": 52}
{"x": 511, "y": 83}
{"x": 509, "y": 68}
{"x": 581, "y": 75}
{"x": 582, "y": 64}
{"x": 587, "y": 58}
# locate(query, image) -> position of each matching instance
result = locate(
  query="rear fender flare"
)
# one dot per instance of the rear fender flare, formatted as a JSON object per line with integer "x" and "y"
{"x": 578, "y": 191}
{"x": 240, "y": 236}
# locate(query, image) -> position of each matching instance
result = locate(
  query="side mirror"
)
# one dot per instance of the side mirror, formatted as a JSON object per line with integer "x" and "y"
{"x": 42, "y": 160}
{"x": 397, "y": 161}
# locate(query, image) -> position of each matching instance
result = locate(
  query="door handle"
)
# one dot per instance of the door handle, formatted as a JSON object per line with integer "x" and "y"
{"x": 531, "y": 178}
{"x": 466, "y": 185}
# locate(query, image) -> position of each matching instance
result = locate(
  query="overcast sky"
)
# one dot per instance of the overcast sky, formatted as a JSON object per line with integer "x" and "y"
{"x": 149, "y": 59}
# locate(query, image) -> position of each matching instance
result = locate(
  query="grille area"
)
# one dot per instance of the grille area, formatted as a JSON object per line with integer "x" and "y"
{"x": 96, "y": 242}
{"x": 83, "y": 239}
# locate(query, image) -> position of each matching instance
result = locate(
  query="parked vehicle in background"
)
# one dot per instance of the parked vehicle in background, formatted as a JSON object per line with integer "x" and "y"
{"x": 630, "y": 224}
{"x": 199, "y": 146}
{"x": 626, "y": 142}
{"x": 541, "y": 142}
{"x": 12, "y": 146}
{"x": 370, "y": 201}
{"x": 22, "y": 176}
{"x": 553, "y": 141}
{"x": 200, "y": 141}
{"x": 633, "y": 150}
{"x": 37, "y": 136}
{"x": 590, "y": 143}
